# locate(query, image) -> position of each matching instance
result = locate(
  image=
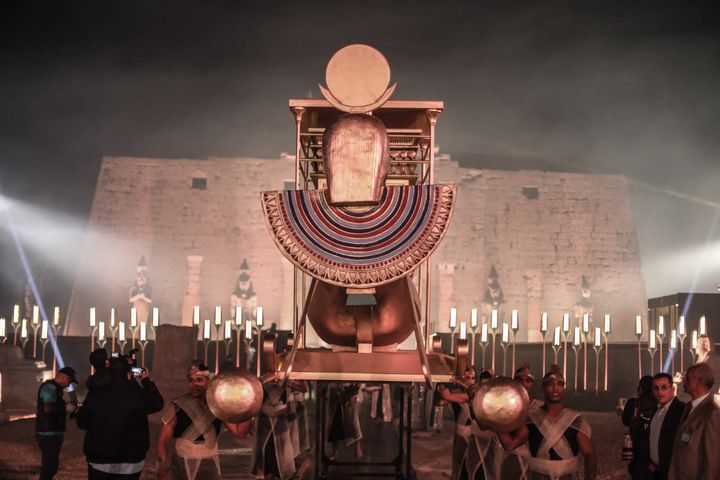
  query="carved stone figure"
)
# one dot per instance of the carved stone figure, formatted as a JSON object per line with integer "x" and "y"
{"x": 244, "y": 295}
{"x": 141, "y": 292}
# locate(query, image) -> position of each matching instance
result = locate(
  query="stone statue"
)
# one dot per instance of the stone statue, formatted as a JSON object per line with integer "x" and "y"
{"x": 584, "y": 305}
{"x": 141, "y": 292}
{"x": 243, "y": 296}
{"x": 493, "y": 298}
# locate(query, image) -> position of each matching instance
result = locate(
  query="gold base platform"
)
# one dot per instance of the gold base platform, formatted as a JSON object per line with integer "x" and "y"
{"x": 398, "y": 366}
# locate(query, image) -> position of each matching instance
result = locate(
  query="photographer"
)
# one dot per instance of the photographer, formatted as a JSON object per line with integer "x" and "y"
{"x": 101, "y": 378}
{"x": 115, "y": 418}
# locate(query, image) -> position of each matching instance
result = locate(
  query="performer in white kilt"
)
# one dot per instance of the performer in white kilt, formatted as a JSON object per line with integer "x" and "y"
{"x": 380, "y": 402}
{"x": 273, "y": 455}
{"x": 558, "y": 438}
{"x": 473, "y": 457}
{"x": 297, "y": 420}
{"x": 302, "y": 419}
{"x": 196, "y": 429}
{"x": 343, "y": 404}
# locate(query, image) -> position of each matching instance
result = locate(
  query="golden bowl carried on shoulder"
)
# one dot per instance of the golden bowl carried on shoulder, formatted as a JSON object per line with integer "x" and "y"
{"x": 235, "y": 396}
{"x": 501, "y": 404}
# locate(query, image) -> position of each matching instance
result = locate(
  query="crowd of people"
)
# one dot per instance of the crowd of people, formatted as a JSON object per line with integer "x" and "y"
{"x": 553, "y": 443}
{"x": 114, "y": 415}
{"x": 671, "y": 438}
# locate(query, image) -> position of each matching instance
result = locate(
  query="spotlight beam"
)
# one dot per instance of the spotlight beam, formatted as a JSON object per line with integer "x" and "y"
{"x": 701, "y": 260}
{"x": 28, "y": 272}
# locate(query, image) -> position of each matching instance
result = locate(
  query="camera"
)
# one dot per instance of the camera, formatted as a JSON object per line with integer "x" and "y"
{"x": 127, "y": 361}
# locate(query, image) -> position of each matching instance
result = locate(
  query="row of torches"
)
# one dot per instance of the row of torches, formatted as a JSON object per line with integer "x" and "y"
{"x": 234, "y": 328}
{"x": 24, "y": 327}
{"x": 578, "y": 337}
{"x": 116, "y": 331}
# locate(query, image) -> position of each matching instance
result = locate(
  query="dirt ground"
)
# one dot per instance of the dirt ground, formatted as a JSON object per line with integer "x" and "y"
{"x": 20, "y": 457}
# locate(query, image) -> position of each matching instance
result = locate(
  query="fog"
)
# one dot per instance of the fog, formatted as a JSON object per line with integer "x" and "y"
{"x": 594, "y": 87}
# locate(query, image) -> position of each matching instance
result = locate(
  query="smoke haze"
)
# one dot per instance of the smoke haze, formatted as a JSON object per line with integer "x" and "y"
{"x": 593, "y": 87}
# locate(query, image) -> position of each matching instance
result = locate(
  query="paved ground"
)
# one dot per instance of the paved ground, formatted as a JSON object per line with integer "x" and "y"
{"x": 19, "y": 456}
{"x": 432, "y": 459}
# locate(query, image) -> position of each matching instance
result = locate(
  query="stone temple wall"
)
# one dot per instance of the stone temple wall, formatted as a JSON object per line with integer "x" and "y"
{"x": 542, "y": 231}
{"x": 148, "y": 207}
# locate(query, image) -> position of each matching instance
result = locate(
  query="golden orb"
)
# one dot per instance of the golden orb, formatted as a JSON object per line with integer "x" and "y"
{"x": 235, "y": 396}
{"x": 501, "y": 404}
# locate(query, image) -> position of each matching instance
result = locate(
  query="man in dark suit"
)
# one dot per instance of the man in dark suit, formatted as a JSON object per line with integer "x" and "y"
{"x": 664, "y": 425}
{"x": 697, "y": 443}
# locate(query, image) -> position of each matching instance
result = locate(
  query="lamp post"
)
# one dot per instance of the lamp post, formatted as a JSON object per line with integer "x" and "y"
{"x": 35, "y": 327}
{"x": 463, "y": 332}
{"x": 483, "y": 341}
{"x": 206, "y": 337}
{"x": 196, "y": 321}
{"x": 102, "y": 335}
{"x": 93, "y": 330}
{"x": 258, "y": 349}
{"x": 544, "y": 331}
{"x": 113, "y": 329}
{"x": 248, "y": 341}
{"x": 493, "y": 329}
{"x": 638, "y": 334}
{"x": 585, "y": 332}
{"x": 661, "y": 336}
{"x": 682, "y": 333}
{"x": 566, "y": 333}
{"x": 134, "y": 325}
{"x": 43, "y": 338}
{"x": 514, "y": 328}
{"x": 24, "y": 334}
{"x": 143, "y": 342}
{"x": 218, "y": 326}
{"x": 606, "y": 334}
{"x": 228, "y": 337}
{"x": 694, "y": 345}
{"x": 46, "y": 326}
{"x": 505, "y": 341}
{"x": 673, "y": 344}
{"x": 453, "y": 327}
{"x": 238, "y": 332}
{"x": 556, "y": 343}
{"x": 155, "y": 321}
{"x": 652, "y": 346}
{"x": 15, "y": 322}
{"x": 576, "y": 348}
{"x": 597, "y": 346}
{"x": 122, "y": 339}
{"x": 473, "y": 329}
{"x": 3, "y": 330}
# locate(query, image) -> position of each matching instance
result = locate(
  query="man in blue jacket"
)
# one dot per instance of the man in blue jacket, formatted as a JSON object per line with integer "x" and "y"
{"x": 50, "y": 419}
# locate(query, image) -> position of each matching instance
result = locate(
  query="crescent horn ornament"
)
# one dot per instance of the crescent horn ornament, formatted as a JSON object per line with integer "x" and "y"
{"x": 357, "y": 108}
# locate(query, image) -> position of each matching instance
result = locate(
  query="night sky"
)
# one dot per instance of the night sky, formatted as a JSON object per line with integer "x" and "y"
{"x": 594, "y": 87}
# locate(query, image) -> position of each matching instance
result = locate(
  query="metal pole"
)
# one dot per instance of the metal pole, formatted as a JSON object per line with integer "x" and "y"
{"x": 607, "y": 350}
{"x": 237, "y": 346}
{"x": 597, "y": 370}
{"x": 639, "y": 358}
{"x": 408, "y": 433}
